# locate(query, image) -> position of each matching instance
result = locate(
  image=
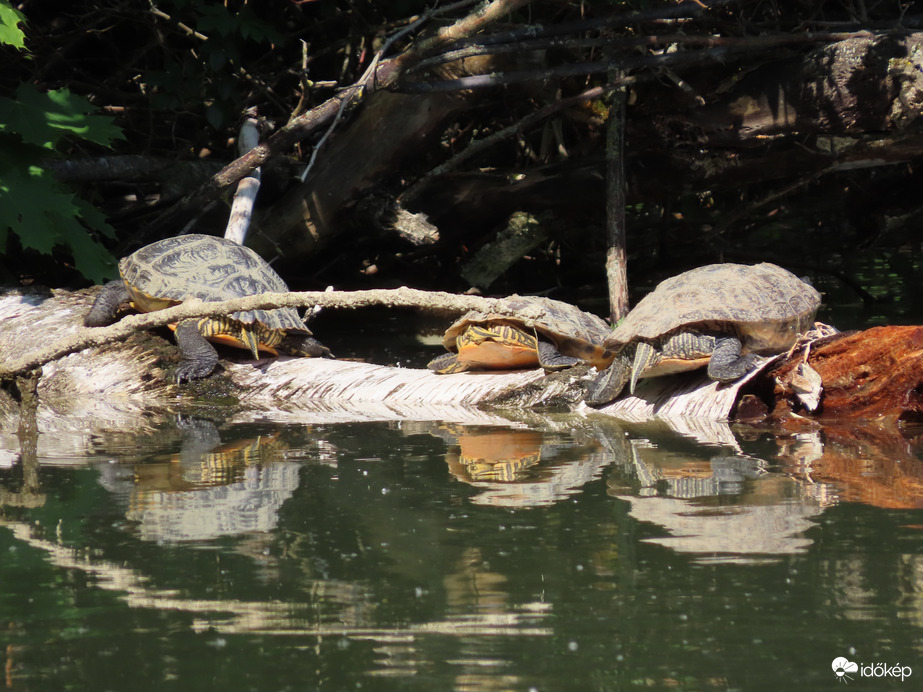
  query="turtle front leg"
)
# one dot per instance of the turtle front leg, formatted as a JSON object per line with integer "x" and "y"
{"x": 107, "y": 304}
{"x": 198, "y": 357}
{"x": 611, "y": 381}
{"x": 726, "y": 363}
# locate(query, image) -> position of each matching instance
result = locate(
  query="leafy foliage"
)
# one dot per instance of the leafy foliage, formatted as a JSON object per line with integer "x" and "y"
{"x": 10, "y": 19}
{"x": 41, "y": 211}
{"x": 45, "y": 119}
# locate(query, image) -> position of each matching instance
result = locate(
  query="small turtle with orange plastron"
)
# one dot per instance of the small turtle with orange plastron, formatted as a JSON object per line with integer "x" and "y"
{"x": 524, "y": 332}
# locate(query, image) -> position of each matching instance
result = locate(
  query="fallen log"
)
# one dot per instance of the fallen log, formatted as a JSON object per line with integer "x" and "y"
{"x": 874, "y": 375}
{"x": 870, "y": 375}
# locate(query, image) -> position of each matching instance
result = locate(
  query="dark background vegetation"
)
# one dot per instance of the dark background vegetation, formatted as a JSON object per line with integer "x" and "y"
{"x": 726, "y": 157}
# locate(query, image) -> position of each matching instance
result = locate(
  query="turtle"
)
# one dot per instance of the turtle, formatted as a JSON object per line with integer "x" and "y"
{"x": 524, "y": 332}
{"x": 719, "y": 315}
{"x": 212, "y": 269}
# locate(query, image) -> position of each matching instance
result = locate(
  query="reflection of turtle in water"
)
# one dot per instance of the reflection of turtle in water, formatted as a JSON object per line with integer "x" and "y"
{"x": 524, "y": 332}
{"x": 212, "y": 269}
{"x": 719, "y": 315}
{"x": 495, "y": 454}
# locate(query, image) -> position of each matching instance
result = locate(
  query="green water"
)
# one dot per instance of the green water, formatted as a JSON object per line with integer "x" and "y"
{"x": 402, "y": 556}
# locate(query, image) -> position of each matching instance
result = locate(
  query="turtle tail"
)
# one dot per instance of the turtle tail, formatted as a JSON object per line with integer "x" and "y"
{"x": 251, "y": 339}
{"x": 645, "y": 356}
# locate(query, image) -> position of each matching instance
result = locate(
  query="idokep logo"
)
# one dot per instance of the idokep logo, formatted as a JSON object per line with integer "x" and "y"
{"x": 842, "y": 667}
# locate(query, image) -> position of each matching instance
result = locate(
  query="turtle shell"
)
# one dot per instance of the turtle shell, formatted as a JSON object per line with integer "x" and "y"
{"x": 764, "y": 305}
{"x": 209, "y": 268}
{"x": 574, "y": 332}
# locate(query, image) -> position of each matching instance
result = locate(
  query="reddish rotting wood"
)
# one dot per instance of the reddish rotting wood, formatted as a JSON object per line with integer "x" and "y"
{"x": 876, "y": 374}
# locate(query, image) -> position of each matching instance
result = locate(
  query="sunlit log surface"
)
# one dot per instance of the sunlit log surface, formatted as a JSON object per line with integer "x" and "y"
{"x": 874, "y": 374}
{"x": 98, "y": 398}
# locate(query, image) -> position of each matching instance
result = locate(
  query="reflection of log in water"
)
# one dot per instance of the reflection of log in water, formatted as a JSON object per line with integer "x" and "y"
{"x": 868, "y": 464}
{"x": 354, "y": 618}
{"x": 727, "y": 508}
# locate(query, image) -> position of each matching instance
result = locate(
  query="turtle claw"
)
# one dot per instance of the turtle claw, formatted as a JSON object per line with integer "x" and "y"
{"x": 199, "y": 357}
{"x": 189, "y": 370}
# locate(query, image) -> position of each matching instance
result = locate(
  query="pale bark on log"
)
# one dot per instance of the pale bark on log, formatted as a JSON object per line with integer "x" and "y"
{"x": 247, "y": 188}
{"x": 63, "y": 334}
{"x": 873, "y": 374}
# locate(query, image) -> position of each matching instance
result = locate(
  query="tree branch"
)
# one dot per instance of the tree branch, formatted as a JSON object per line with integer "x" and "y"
{"x": 87, "y": 337}
{"x": 715, "y": 49}
{"x": 383, "y": 75}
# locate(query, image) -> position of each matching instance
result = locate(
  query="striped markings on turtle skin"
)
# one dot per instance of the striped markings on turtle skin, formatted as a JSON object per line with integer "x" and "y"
{"x": 211, "y": 269}
{"x": 744, "y": 310}
{"x": 524, "y": 332}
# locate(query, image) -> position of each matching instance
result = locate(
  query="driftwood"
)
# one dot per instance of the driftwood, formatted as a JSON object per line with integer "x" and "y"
{"x": 62, "y": 330}
{"x": 872, "y": 375}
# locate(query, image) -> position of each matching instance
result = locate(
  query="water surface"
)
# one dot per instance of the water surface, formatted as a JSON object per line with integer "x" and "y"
{"x": 539, "y": 554}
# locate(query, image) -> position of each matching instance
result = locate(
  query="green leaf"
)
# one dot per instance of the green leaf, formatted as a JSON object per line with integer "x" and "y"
{"x": 91, "y": 259}
{"x": 10, "y": 19}
{"x": 94, "y": 218}
{"x": 45, "y": 215}
{"x": 45, "y": 118}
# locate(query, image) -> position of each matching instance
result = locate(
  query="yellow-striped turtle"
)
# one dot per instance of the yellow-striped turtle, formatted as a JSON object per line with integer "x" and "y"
{"x": 212, "y": 269}
{"x": 524, "y": 332}
{"x": 719, "y": 315}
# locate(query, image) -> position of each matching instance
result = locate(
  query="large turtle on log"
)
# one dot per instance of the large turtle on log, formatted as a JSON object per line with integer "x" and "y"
{"x": 719, "y": 316}
{"x": 212, "y": 269}
{"x": 524, "y": 332}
